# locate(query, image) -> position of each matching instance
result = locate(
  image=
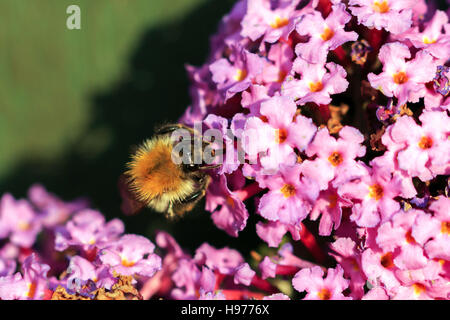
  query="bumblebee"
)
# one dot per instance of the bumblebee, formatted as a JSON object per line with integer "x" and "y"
{"x": 165, "y": 181}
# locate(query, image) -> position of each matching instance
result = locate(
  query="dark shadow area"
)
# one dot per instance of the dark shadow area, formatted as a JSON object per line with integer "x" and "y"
{"x": 153, "y": 90}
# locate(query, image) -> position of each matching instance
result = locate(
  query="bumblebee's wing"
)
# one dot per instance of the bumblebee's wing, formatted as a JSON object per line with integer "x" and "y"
{"x": 130, "y": 205}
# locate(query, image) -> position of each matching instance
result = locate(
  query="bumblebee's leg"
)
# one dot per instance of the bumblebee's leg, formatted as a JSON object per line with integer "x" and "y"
{"x": 194, "y": 197}
{"x": 170, "y": 212}
{"x": 209, "y": 166}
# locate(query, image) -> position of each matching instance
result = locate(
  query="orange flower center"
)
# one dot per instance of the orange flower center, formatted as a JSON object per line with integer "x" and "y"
{"x": 24, "y": 226}
{"x": 427, "y": 40}
{"x": 418, "y": 288}
{"x": 335, "y": 158}
{"x": 281, "y": 135}
{"x": 425, "y": 143}
{"x": 288, "y": 190}
{"x": 400, "y": 77}
{"x": 380, "y": 7}
{"x": 409, "y": 238}
{"x": 264, "y": 118}
{"x": 279, "y": 23}
{"x": 240, "y": 75}
{"x": 281, "y": 75}
{"x": 387, "y": 261}
{"x": 332, "y": 200}
{"x": 127, "y": 263}
{"x": 324, "y": 294}
{"x": 376, "y": 191}
{"x": 327, "y": 34}
{"x": 230, "y": 201}
{"x": 315, "y": 86}
{"x": 445, "y": 227}
{"x": 31, "y": 289}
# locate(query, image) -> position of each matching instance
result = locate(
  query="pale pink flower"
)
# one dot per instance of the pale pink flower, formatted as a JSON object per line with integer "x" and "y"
{"x": 393, "y": 15}
{"x": 318, "y": 288}
{"x": 325, "y": 34}
{"x": 335, "y": 159}
{"x": 400, "y": 78}
{"x": 317, "y": 83}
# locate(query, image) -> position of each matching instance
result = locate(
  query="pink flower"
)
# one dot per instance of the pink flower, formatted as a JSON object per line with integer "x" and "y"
{"x": 318, "y": 81}
{"x": 318, "y": 288}
{"x": 329, "y": 204}
{"x": 400, "y": 78}
{"x": 432, "y": 37}
{"x": 325, "y": 34}
{"x": 376, "y": 293}
{"x": 393, "y": 15}
{"x": 290, "y": 196}
{"x": 30, "y": 285}
{"x": 228, "y": 211}
{"x": 433, "y": 232}
{"x": 87, "y": 229}
{"x": 347, "y": 255}
{"x": 224, "y": 260}
{"x": 268, "y": 268}
{"x": 379, "y": 268}
{"x": 335, "y": 159}
{"x": 277, "y": 296}
{"x": 281, "y": 55}
{"x": 273, "y": 24}
{"x": 131, "y": 254}
{"x": 427, "y": 148}
{"x": 236, "y": 74}
{"x": 396, "y": 236}
{"x": 277, "y": 133}
{"x": 244, "y": 274}
{"x": 18, "y": 221}
{"x": 272, "y": 232}
{"x": 373, "y": 197}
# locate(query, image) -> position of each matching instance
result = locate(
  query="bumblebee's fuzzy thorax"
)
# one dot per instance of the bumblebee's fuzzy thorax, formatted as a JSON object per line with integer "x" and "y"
{"x": 153, "y": 174}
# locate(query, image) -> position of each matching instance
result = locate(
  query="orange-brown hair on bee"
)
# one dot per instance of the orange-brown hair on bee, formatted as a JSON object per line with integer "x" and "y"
{"x": 162, "y": 184}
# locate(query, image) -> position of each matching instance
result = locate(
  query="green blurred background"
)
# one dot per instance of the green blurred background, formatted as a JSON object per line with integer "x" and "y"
{"x": 73, "y": 102}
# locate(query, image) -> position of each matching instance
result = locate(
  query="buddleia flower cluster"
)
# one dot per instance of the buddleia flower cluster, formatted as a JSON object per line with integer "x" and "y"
{"x": 336, "y": 117}
{"x": 340, "y": 109}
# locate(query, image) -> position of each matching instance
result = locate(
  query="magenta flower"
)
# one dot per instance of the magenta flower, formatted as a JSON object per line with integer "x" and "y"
{"x": 373, "y": 197}
{"x": 290, "y": 196}
{"x": 244, "y": 274}
{"x": 81, "y": 271}
{"x": 185, "y": 278}
{"x": 88, "y": 230}
{"x": 400, "y": 78}
{"x": 52, "y": 210}
{"x": 30, "y": 285}
{"x": 268, "y": 268}
{"x": 131, "y": 254}
{"x": 393, "y": 15}
{"x": 228, "y": 211}
{"x": 347, "y": 255}
{"x": 224, "y": 260}
{"x": 260, "y": 20}
{"x": 236, "y": 74}
{"x": 18, "y": 221}
{"x": 317, "y": 83}
{"x": 318, "y": 288}
{"x": 376, "y": 293}
{"x": 277, "y": 296}
{"x": 329, "y": 205}
{"x": 272, "y": 232}
{"x": 335, "y": 159}
{"x": 426, "y": 151}
{"x": 325, "y": 34}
